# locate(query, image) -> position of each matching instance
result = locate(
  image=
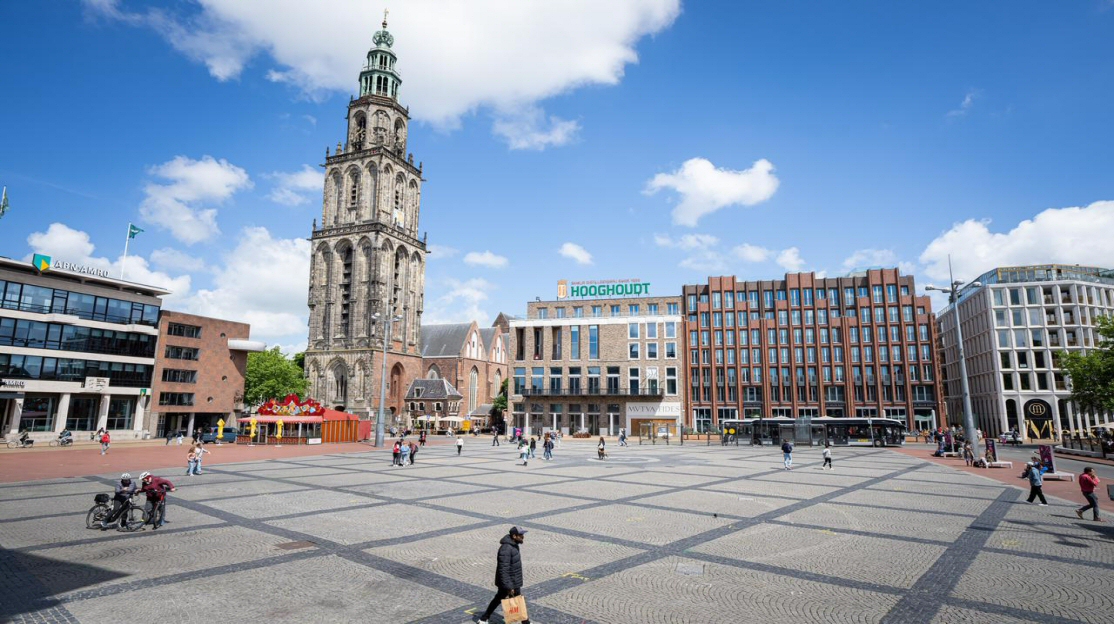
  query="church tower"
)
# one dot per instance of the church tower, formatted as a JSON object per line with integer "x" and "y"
{"x": 368, "y": 263}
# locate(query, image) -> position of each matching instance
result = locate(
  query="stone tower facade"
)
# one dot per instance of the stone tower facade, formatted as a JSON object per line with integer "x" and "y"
{"x": 368, "y": 263}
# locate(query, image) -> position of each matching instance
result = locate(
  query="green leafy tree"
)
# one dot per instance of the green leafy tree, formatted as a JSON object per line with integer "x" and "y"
{"x": 499, "y": 403}
{"x": 300, "y": 360}
{"x": 270, "y": 375}
{"x": 1092, "y": 374}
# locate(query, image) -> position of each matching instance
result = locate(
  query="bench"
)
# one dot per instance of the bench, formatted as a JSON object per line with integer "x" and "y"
{"x": 1000, "y": 464}
{"x": 951, "y": 454}
{"x": 1060, "y": 476}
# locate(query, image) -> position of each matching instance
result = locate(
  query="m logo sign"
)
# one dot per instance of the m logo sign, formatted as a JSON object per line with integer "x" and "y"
{"x": 1038, "y": 410}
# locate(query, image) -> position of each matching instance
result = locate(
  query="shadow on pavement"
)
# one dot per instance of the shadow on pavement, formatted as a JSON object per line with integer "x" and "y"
{"x": 21, "y": 592}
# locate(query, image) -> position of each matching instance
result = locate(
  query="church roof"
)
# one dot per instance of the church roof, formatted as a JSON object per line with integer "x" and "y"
{"x": 444, "y": 340}
{"x": 487, "y": 334}
{"x": 432, "y": 389}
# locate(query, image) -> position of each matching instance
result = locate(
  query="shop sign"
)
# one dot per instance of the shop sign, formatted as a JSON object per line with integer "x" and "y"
{"x": 12, "y": 383}
{"x": 96, "y": 384}
{"x": 654, "y": 410}
{"x": 1038, "y": 410}
{"x": 292, "y": 406}
{"x": 602, "y": 288}
{"x": 43, "y": 263}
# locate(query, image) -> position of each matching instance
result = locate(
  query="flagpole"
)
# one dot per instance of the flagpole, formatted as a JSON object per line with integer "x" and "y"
{"x": 127, "y": 239}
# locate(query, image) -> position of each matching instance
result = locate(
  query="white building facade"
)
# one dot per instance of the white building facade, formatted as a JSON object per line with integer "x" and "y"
{"x": 77, "y": 350}
{"x": 1014, "y": 326}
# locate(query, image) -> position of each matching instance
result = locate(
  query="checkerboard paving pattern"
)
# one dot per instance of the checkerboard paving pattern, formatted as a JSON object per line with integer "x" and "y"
{"x": 654, "y": 534}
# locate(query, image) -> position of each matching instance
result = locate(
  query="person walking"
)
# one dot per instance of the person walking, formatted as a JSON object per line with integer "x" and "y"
{"x": 495, "y": 438}
{"x": 459, "y": 444}
{"x": 105, "y": 441}
{"x": 622, "y": 437}
{"x": 827, "y": 457}
{"x": 1088, "y": 481}
{"x": 396, "y": 452}
{"x": 533, "y": 447}
{"x": 787, "y": 454}
{"x": 413, "y": 452}
{"x": 601, "y": 449}
{"x": 508, "y": 571}
{"x": 169, "y": 437}
{"x": 421, "y": 438}
{"x": 1036, "y": 481}
{"x": 191, "y": 461}
{"x": 547, "y": 448}
{"x": 404, "y": 454}
{"x": 523, "y": 451}
{"x": 180, "y": 435}
{"x": 968, "y": 453}
{"x": 200, "y": 450}
{"x": 156, "y": 488}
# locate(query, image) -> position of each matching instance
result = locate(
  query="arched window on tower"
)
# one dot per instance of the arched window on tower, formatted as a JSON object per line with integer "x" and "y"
{"x": 345, "y": 290}
{"x": 373, "y": 190}
{"x": 399, "y": 213}
{"x": 353, "y": 190}
{"x": 473, "y": 389}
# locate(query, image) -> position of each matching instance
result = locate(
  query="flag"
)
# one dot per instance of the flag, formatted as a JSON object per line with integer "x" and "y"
{"x": 133, "y": 230}
{"x": 4, "y": 202}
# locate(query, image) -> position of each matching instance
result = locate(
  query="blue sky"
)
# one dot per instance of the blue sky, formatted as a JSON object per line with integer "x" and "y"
{"x": 650, "y": 138}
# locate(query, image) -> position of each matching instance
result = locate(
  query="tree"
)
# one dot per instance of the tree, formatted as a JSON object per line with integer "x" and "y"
{"x": 499, "y": 404}
{"x": 270, "y": 375}
{"x": 1092, "y": 374}
{"x": 300, "y": 360}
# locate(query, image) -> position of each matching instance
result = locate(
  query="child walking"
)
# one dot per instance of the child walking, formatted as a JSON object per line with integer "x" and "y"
{"x": 827, "y": 457}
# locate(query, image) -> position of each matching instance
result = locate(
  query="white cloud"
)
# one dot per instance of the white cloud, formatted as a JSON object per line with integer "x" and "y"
{"x": 687, "y": 242}
{"x": 486, "y": 259}
{"x": 440, "y": 252}
{"x": 965, "y": 105}
{"x": 62, "y": 242}
{"x": 1056, "y": 235}
{"x": 790, "y": 259}
{"x": 179, "y": 205}
{"x": 865, "y": 258}
{"x": 262, "y": 281}
{"x": 705, "y": 260}
{"x": 460, "y": 303}
{"x": 576, "y": 253}
{"x": 173, "y": 259}
{"x": 530, "y": 129}
{"x": 290, "y": 188}
{"x": 704, "y": 188}
{"x": 751, "y": 253}
{"x": 503, "y": 55}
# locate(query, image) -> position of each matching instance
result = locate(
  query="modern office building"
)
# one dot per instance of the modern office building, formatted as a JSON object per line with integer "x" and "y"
{"x": 1015, "y": 322}
{"x": 597, "y": 365}
{"x": 862, "y": 345}
{"x": 77, "y": 349}
{"x": 199, "y": 372}
{"x": 367, "y": 271}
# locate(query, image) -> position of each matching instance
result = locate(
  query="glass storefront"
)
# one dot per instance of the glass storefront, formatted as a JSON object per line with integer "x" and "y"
{"x": 121, "y": 411}
{"x": 38, "y": 412}
{"x": 83, "y": 412}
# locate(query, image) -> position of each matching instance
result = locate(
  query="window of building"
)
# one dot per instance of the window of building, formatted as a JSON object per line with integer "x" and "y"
{"x": 186, "y": 331}
{"x": 173, "y": 375}
{"x": 633, "y": 309}
{"x": 181, "y": 353}
{"x": 560, "y": 312}
{"x": 597, "y": 311}
{"x": 543, "y": 313}
{"x": 176, "y": 398}
{"x": 593, "y": 342}
{"x": 574, "y": 342}
{"x": 672, "y": 309}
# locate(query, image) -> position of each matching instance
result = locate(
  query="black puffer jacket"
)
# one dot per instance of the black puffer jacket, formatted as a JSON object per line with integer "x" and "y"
{"x": 508, "y": 565}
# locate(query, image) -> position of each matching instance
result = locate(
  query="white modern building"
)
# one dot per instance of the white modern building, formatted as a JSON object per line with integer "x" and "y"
{"x": 77, "y": 349}
{"x": 1015, "y": 323}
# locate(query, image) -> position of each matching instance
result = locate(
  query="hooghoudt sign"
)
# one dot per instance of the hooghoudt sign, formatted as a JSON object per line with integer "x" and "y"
{"x": 653, "y": 410}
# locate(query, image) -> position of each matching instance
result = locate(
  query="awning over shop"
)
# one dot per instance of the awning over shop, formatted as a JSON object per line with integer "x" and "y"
{"x": 286, "y": 420}
{"x": 332, "y": 414}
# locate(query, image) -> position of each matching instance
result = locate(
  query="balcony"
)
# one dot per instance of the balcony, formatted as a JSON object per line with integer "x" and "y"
{"x": 603, "y": 391}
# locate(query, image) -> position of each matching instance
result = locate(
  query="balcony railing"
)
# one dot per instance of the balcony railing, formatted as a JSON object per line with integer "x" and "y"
{"x": 588, "y": 392}
{"x": 82, "y": 313}
{"x": 88, "y": 345}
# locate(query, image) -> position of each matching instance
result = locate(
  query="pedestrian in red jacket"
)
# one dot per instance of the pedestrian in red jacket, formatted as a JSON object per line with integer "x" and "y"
{"x": 1087, "y": 484}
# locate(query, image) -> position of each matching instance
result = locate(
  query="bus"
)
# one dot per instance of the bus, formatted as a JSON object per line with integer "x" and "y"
{"x": 818, "y": 431}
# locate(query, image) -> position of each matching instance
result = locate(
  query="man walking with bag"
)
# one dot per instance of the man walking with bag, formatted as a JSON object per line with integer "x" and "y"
{"x": 508, "y": 574}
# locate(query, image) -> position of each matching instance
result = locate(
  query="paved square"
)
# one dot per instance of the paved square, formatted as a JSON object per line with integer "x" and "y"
{"x": 655, "y": 534}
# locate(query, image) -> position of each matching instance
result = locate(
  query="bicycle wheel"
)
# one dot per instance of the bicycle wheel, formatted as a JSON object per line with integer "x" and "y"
{"x": 13, "y": 444}
{"x": 95, "y": 516}
{"x": 53, "y": 443}
{"x": 134, "y": 519}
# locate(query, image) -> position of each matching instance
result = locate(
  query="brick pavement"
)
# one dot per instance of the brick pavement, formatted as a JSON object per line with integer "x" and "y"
{"x": 656, "y": 534}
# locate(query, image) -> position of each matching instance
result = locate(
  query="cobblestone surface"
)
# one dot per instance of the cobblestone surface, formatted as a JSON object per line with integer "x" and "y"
{"x": 654, "y": 534}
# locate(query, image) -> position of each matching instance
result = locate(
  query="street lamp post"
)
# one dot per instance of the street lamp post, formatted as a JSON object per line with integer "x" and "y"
{"x": 383, "y": 377}
{"x": 970, "y": 432}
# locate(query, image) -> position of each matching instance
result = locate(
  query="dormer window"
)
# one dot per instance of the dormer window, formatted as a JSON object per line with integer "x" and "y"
{"x": 417, "y": 393}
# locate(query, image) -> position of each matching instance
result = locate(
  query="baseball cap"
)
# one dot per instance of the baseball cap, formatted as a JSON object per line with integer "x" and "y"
{"x": 517, "y": 531}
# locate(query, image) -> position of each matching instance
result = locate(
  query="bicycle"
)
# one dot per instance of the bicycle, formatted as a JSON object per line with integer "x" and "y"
{"x": 17, "y": 443}
{"x": 131, "y": 518}
{"x": 61, "y": 442}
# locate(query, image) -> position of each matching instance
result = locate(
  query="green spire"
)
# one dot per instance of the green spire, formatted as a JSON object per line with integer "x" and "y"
{"x": 379, "y": 76}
